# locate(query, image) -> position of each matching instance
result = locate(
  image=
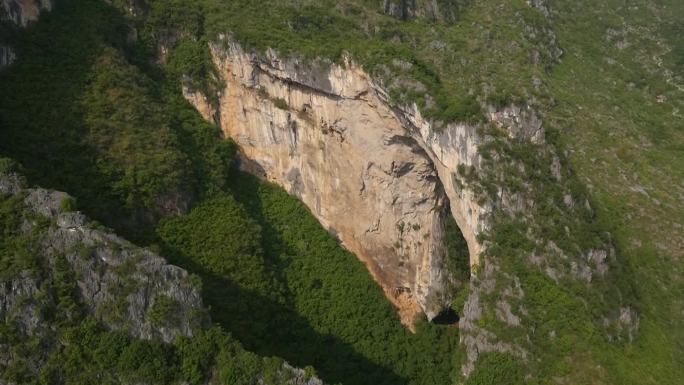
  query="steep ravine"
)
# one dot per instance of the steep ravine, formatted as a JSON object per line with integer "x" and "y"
{"x": 378, "y": 177}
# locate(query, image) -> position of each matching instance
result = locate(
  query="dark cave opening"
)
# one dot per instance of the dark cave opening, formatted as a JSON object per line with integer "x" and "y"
{"x": 446, "y": 317}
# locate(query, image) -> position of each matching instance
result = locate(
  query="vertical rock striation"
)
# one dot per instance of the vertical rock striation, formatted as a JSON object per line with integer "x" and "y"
{"x": 7, "y": 56}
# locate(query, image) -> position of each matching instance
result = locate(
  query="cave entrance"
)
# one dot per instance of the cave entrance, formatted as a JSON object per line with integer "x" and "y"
{"x": 446, "y": 317}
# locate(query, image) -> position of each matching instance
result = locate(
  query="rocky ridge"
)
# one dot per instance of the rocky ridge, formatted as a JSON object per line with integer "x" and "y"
{"x": 118, "y": 283}
{"x": 124, "y": 287}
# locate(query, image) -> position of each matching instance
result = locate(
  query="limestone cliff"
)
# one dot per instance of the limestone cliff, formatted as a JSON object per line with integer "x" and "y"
{"x": 378, "y": 177}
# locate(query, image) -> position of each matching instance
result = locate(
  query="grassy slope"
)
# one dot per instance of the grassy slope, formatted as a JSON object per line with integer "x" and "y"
{"x": 621, "y": 141}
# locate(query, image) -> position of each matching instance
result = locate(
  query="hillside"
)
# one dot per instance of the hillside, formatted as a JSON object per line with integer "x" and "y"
{"x": 383, "y": 192}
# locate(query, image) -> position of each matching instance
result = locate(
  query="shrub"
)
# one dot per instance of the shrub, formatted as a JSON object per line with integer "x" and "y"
{"x": 67, "y": 204}
{"x": 164, "y": 311}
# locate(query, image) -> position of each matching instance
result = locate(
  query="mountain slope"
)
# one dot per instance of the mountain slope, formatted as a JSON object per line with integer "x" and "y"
{"x": 81, "y": 305}
{"x": 575, "y": 108}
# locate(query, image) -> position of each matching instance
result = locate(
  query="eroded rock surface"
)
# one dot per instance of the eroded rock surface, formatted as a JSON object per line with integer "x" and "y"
{"x": 378, "y": 177}
{"x": 437, "y": 10}
{"x": 117, "y": 283}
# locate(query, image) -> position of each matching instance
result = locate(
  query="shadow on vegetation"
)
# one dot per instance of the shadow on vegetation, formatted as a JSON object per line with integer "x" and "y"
{"x": 270, "y": 328}
{"x": 46, "y": 123}
{"x": 42, "y": 121}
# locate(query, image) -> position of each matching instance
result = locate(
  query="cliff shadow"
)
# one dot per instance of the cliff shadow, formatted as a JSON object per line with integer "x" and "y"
{"x": 42, "y": 113}
{"x": 273, "y": 328}
{"x": 286, "y": 333}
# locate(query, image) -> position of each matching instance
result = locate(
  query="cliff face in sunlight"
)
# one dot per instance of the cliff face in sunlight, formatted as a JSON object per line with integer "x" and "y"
{"x": 379, "y": 177}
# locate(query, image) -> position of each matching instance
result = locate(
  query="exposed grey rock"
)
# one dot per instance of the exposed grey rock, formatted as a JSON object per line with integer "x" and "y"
{"x": 109, "y": 272}
{"x": 599, "y": 258}
{"x": 71, "y": 220}
{"x": 44, "y": 202}
{"x": 435, "y": 10}
{"x": 504, "y": 313}
{"x": 521, "y": 122}
{"x": 107, "y": 266}
{"x": 299, "y": 376}
{"x": 556, "y": 168}
{"x": 624, "y": 324}
{"x": 629, "y": 321}
{"x": 11, "y": 183}
{"x": 7, "y": 56}
{"x": 18, "y": 304}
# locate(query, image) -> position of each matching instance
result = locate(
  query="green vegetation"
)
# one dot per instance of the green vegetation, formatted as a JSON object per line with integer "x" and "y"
{"x": 88, "y": 102}
{"x": 124, "y": 140}
{"x": 16, "y": 249}
{"x": 164, "y": 311}
{"x": 497, "y": 368}
{"x": 283, "y": 286}
{"x": 458, "y": 259}
{"x": 622, "y": 124}
{"x": 133, "y": 151}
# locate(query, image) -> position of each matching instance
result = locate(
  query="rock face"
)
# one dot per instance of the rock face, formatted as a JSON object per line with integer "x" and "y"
{"x": 378, "y": 177}
{"x": 22, "y": 12}
{"x": 119, "y": 284}
{"x": 19, "y": 13}
{"x": 436, "y": 10}
{"x": 7, "y": 56}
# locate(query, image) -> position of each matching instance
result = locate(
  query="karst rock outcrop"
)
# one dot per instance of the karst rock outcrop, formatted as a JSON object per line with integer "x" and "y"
{"x": 378, "y": 176}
